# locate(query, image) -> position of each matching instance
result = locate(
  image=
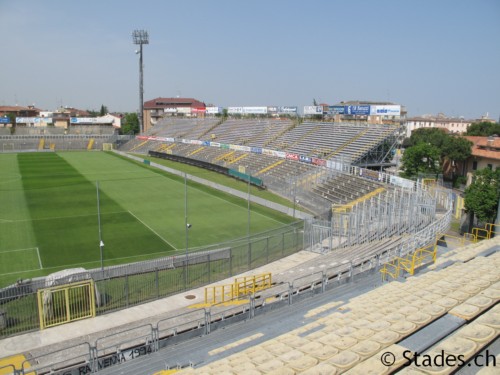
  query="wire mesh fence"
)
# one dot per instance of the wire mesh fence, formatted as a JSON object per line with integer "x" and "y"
{"x": 119, "y": 287}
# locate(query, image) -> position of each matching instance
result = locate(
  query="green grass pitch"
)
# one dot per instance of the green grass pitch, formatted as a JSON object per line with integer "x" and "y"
{"x": 49, "y": 219}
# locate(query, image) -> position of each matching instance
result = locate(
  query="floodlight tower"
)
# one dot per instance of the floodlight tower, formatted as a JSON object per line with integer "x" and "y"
{"x": 140, "y": 37}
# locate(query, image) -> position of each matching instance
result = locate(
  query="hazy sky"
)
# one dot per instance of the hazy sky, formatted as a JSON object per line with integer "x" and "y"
{"x": 429, "y": 55}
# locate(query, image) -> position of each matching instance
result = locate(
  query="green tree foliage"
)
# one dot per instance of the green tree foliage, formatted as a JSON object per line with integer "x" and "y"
{"x": 421, "y": 158}
{"x": 456, "y": 148}
{"x": 103, "y": 111}
{"x": 432, "y": 136}
{"x": 130, "y": 123}
{"x": 482, "y": 196}
{"x": 484, "y": 128}
{"x": 448, "y": 146}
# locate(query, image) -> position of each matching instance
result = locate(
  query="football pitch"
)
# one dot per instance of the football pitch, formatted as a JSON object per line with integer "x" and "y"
{"x": 49, "y": 213}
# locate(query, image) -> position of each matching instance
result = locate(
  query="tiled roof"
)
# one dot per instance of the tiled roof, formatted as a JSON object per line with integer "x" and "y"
{"x": 484, "y": 149}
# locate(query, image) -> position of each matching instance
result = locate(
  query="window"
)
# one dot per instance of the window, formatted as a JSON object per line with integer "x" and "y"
{"x": 490, "y": 166}
{"x": 474, "y": 165}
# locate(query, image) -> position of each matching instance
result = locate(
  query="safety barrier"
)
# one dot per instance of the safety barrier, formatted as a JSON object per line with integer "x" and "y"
{"x": 410, "y": 262}
{"x": 241, "y": 287}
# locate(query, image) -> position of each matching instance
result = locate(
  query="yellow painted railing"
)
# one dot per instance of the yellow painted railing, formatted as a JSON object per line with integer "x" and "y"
{"x": 237, "y": 159}
{"x": 269, "y": 167}
{"x": 241, "y": 287}
{"x": 41, "y": 144}
{"x": 223, "y": 156}
{"x": 409, "y": 263}
{"x": 90, "y": 144}
{"x": 139, "y": 145}
{"x": 196, "y": 151}
{"x": 353, "y": 139}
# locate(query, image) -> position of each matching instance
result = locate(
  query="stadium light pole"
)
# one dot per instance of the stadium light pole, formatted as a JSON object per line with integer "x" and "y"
{"x": 186, "y": 226}
{"x": 141, "y": 37}
{"x": 101, "y": 243}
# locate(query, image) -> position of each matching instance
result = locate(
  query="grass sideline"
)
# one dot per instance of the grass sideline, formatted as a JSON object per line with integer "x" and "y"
{"x": 51, "y": 201}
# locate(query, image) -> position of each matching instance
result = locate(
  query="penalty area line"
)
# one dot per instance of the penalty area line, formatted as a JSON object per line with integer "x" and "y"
{"x": 39, "y": 258}
{"x": 152, "y": 230}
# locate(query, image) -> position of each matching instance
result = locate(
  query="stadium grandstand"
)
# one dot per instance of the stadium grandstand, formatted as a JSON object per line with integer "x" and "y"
{"x": 369, "y": 281}
{"x": 284, "y": 153}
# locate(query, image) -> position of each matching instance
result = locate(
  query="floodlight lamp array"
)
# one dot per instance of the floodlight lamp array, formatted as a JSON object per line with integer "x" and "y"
{"x": 140, "y": 37}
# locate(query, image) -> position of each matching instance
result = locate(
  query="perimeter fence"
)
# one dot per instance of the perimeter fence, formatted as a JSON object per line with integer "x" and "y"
{"x": 120, "y": 287}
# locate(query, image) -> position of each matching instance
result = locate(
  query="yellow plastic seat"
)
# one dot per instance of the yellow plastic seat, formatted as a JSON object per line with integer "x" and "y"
{"x": 344, "y": 360}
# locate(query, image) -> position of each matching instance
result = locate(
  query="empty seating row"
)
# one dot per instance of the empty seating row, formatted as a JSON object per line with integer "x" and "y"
{"x": 353, "y": 337}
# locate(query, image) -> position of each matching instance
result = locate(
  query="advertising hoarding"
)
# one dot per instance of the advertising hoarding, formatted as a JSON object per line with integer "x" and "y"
{"x": 313, "y": 110}
{"x": 385, "y": 110}
{"x": 235, "y": 110}
{"x": 213, "y": 110}
{"x": 255, "y": 110}
{"x": 287, "y": 109}
{"x": 33, "y": 120}
{"x": 4, "y": 120}
{"x": 357, "y": 110}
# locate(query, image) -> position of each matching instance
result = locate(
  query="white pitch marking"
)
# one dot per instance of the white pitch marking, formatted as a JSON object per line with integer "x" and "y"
{"x": 152, "y": 230}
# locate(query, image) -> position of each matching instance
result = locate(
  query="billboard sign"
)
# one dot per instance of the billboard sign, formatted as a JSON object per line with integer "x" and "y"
{"x": 214, "y": 110}
{"x": 4, "y": 120}
{"x": 357, "y": 110}
{"x": 287, "y": 109}
{"x": 385, "y": 110}
{"x": 255, "y": 110}
{"x": 336, "y": 110}
{"x": 170, "y": 110}
{"x": 313, "y": 110}
{"x": 32, "y": 120}
{"x": 235, "y": 110}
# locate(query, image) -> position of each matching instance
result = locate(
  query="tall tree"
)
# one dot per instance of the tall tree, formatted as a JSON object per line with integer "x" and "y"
{"x": 482, "y": 196}
{"x": 421, "y": 158}
{"x": 104, "y": 110}
{"x": 130, "y": 124}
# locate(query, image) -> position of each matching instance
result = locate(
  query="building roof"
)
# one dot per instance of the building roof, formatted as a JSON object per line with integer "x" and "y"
{"x": 485, "y": 147}
{"x": 17, "y": 109}
{"x": 173, "y": 102}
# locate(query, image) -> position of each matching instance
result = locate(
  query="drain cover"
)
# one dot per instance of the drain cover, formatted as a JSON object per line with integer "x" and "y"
{"x": 190, "y": 296}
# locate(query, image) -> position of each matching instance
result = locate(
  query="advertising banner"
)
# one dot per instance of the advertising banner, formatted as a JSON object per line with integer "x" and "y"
{"x": 255, "y": 110}
{"x": 272, "y": 109}
{"x": 4, "y": 120}
{"x": 287, "y": 109}
{"x": 398, "y": 181}
{"x": 170, "y": 110}
{"x": 213, "y": 110}
{"x": 305, "y": 159}
{"x": 336, "y": 110}
{"x": 257, "y": 150}
{"x": 317, "y": 161}
{"x": 385, "y": 110}
{"x": 280, "y": 154}
{"x": 357, "y": 110}
{"x": 292, "y": 156}
{"x": 313, "y": 110}
{"x": 235, "y": 110}
{"x": 184, "y": 110}
{"x": 215, "y": 144}
{"x": 206, "y": 143}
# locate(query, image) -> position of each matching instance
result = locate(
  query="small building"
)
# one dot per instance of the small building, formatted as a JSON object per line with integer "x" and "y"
{"x": 485, "y": 154}
{"x": 158, "y": 108}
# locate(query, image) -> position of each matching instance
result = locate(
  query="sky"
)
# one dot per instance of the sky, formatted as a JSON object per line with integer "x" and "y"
{"x": 430, "y": 56}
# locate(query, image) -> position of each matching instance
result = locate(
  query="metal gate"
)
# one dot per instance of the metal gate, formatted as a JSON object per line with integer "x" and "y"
{"x": 66, "y": 303}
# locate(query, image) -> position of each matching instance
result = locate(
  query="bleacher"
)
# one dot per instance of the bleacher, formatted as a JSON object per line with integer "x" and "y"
{"x": 190, "y": 128}
{"x": 342, "y": 189}
{"x": 452, "y": 311}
